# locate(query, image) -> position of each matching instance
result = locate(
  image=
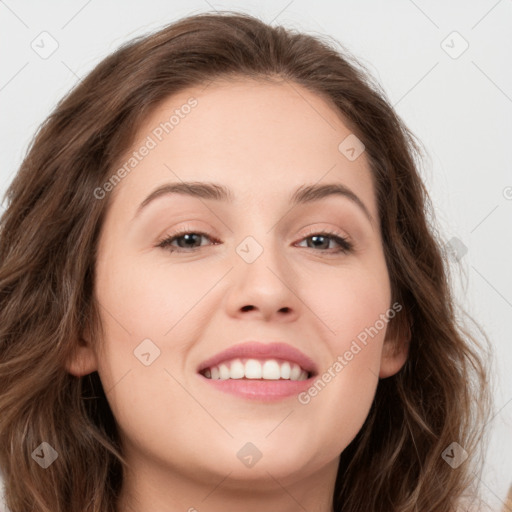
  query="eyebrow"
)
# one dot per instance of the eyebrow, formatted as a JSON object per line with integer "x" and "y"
{"x": 207, "y": 190}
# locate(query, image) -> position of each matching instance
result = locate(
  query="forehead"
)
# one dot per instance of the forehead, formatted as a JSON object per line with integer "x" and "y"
{"x": 262, "y": 139}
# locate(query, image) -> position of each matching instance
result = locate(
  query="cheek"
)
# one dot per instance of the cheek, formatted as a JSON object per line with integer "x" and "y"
{"x": 148, "y": 299}
{"x": 353, "y": 305}
{"x": 348, "y": 300}
{"x": 147, "y": 310}
{"x": 138, "y": 308}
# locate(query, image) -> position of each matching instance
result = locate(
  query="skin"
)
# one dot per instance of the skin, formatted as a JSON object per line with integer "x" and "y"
{"x": 180, "y": 435}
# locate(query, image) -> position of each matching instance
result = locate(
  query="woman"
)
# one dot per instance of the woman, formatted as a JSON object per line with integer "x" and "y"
{"x": 307, "y": 356}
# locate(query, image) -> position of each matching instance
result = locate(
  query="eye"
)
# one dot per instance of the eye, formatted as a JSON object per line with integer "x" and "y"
{"x": 187, "y": 241}
{"x": 322, "y": 241}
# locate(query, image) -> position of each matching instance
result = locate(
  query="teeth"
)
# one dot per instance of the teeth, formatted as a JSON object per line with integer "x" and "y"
{"x": 270, "y": 369}
{"x": 295, "y": 372}
{"x": 237, "y": 370}
{"x": 253, "y": 369}
{"x": 286, "y": 368}
{"x": 223, "y": 372}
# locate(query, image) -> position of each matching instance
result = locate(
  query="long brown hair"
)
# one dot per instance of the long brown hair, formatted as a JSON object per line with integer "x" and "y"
{"x": 48, "y": 242}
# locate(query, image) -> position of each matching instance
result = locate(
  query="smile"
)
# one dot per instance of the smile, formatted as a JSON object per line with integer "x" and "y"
{"x": 256, "y": 369}
{"x": 264, "y": 372}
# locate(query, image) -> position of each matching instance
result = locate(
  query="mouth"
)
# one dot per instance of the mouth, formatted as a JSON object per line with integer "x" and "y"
{"x": 255, "y": 370}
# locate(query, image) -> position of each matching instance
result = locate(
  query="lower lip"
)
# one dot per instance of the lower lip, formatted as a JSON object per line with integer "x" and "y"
{"x": 262, "y": 390}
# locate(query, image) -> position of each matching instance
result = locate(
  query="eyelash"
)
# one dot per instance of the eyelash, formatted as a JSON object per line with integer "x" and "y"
{"x": 345, "y": 245}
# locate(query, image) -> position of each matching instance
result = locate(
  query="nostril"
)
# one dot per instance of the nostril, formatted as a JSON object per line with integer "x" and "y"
{"x": 247, "y": 308}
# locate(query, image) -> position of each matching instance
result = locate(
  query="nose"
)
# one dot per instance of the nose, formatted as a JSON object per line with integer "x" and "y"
{"x": 264, "y": 288}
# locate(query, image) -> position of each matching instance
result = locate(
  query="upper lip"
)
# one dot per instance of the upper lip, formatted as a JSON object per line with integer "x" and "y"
{"x": 259, "y": 350}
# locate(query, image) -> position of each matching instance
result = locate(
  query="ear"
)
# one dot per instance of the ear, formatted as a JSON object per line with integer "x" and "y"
{"x": 394, "y": 351}
{"x": 83, "y": 359}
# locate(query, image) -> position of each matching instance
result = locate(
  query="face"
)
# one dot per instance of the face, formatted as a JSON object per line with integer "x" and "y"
{"x": 185, "y": 275}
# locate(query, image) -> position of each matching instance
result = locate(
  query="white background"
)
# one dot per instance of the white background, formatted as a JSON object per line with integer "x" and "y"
{"x": 461, "y": 108}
